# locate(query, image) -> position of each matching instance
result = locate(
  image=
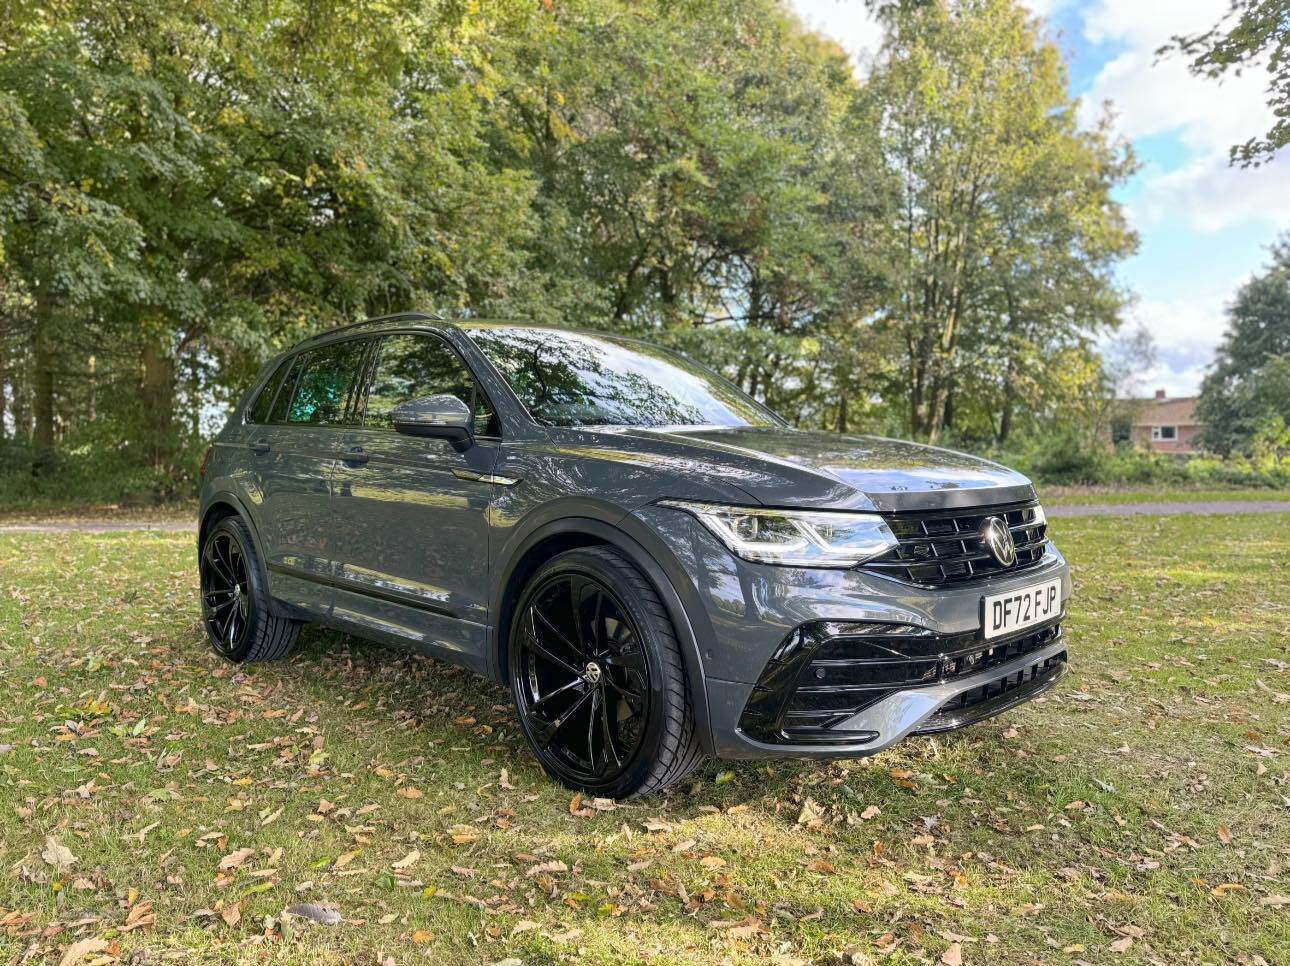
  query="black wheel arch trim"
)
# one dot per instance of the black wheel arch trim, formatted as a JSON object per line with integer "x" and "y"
{"x": 635, "y": 541}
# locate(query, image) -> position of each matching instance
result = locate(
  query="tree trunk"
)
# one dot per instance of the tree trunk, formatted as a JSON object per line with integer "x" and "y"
{"x": 42, "y": 457}
{"x": 158, "y": 401}
{"x": 843, "y": 406}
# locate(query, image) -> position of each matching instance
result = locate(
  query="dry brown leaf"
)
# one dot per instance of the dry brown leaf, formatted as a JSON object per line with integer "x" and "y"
{"x": 82, "y": 948}
{"x": 235, "y": 859}
{"x": 1225, "y": 835}
{"x": 953, "y": 956}
{"x": 57, "y": 854}
{"x": 344, "y": 860}
{"x": 407, "y": 861}
{"x": 712, "y": 862}
{"x": 231, "y": 915}
{"x": 1122, "y": 945}
{"x": 547, "y": 867}
{"x": 407, "y": 791}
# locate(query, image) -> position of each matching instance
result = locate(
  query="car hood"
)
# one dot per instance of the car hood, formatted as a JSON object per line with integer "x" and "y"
{"x": 779, "y": 466}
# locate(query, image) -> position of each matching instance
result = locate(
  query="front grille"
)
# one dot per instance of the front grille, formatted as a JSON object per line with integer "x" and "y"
{"x": 944, "y": 546}
{"x": 825, "y": 672}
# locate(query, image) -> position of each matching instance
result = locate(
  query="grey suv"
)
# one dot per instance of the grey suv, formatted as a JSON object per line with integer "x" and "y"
{"x": 656, "y": 566}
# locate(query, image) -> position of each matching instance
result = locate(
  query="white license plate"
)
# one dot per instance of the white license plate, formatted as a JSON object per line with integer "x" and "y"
{"x": 1019, "y": 609}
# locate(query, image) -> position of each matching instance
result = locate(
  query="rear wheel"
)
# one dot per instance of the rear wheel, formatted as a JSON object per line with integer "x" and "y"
{"x": 235, "y": 601}
{"x": 597, "y": 677}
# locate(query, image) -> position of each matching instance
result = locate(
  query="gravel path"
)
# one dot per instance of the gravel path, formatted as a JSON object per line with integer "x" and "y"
{"x": 1071, "y": 510}
{"x": 1168, "y": 509}
{"x": 99, "y": 526}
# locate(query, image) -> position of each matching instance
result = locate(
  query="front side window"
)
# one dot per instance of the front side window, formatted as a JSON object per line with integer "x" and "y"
{"x": 1164, "y": 432}
{"x": 259, "y": 410}
{"x": 327, "y": 377}
{"x": 578, "y": 379}
{"x": 412, "y": 366}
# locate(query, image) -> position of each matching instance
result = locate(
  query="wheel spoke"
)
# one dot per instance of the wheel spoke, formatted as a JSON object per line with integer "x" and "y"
{"x": 544, "y": 652}
{"x": 597, "y": 701}
{"x": 568, "y": 645}
{"x": 217, "y": 565}
{"x": 634, "y": 698}
{"x": 562, "y": 689}
{"x": 216, "y": 608}
{"x": 544, "y": 731}
{"x": 608, "y": 732}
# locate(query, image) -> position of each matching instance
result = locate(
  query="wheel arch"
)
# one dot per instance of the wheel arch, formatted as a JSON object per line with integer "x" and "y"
{"x": 569, "y": 533}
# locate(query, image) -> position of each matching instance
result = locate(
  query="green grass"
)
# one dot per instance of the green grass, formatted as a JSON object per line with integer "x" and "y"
{"x": 1145, "y": 799}
{"x": 1059, "y": 495}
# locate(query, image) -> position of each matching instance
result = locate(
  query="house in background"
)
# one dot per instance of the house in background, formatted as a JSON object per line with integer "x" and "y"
{"x": 1163, "y": 424}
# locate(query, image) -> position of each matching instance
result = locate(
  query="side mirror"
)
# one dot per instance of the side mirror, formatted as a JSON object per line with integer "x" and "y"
{"x": 445, "y": 417}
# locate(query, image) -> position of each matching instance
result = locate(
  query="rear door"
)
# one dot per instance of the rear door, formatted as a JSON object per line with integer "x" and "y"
{"x": 293, "y": 456}
{"x": 411, "y": 512}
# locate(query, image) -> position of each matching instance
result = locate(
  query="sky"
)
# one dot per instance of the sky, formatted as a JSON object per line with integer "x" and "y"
{"x": 1204, "y": 227}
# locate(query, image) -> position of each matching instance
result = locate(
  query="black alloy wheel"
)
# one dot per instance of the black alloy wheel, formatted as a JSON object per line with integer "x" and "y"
{"x": 226, "y": 602}
{"x": 235, "y": 603}
{"x": 597, "y": 677}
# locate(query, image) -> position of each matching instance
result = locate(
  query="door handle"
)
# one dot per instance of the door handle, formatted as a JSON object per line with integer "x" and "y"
{"x": 258, "y": 446}
{"x": 357, "y": 455}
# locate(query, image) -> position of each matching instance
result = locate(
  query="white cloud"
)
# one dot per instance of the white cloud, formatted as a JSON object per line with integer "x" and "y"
{"x": 1186, "y": 331}
{"x": 849, "y": 22}
{"x": 1151, "y": 96}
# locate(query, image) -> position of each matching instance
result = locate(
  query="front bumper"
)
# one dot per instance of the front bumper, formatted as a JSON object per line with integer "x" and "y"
{"x": 744, "y": 614}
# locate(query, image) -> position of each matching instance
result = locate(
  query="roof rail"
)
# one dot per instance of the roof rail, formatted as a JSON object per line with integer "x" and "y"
{"x": 397, "y": 316}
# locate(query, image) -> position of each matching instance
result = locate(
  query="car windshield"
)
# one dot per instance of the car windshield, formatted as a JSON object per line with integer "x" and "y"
{"x": 577, "y": 379}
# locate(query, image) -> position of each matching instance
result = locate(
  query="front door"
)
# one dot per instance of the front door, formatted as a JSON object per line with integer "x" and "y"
{"x": 410, "y": 511}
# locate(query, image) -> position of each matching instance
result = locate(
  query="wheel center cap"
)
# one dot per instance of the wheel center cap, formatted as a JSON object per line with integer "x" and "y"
{"x": 592, "y": 674}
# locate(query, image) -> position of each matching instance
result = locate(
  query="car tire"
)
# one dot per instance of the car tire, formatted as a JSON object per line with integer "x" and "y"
{"x": 235, "y": 598}
{"x": 589, "y": 623}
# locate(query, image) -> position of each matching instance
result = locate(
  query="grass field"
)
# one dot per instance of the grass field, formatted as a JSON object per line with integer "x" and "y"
{"x": 154, "y": 799}
{"x": 1064, "y": 495}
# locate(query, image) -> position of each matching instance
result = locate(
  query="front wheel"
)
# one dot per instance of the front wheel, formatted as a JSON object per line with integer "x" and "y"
{"x": 597, "y": 677}
{"x": 235, "y": 600}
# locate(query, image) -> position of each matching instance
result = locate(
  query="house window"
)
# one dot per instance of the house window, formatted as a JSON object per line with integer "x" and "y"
{"x": 1165, "y": 433}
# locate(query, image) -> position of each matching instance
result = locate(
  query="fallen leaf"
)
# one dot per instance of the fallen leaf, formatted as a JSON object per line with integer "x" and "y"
{"x": 953, "y": 956}
{"x": 407, "y": 861}
{"x": 407, "y": 791}
{"x": 1225, "y": 835}
{"x": 421, "y": 936}
{"x": 231, "y": 915}
{"x": 1122, "y": 945}
{"x": 547, "y": 867}
{"x": 82, "y": 948}
{"x": 235, "y": 859}
{"x": 712, "y": 862}
{"x": 58, "y": 855}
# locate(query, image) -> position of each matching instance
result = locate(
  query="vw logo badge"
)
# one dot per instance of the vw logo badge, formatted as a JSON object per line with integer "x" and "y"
{"x": 997, "y": 538}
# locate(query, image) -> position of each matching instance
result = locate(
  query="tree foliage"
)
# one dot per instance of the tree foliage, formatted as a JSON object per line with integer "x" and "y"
{"x": 186, "y": 188}
{"x": 1247, "y": 389}
{"x": 1253, "y": 34}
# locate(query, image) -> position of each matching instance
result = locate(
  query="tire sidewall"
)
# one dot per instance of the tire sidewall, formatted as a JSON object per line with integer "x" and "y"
{"x": 641, "y": 765}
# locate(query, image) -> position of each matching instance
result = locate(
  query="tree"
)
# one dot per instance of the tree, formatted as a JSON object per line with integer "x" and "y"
{"x": 1006, "y": 235}
{"x": 1241, "y": 388}
{"x": 1253, "y": 34}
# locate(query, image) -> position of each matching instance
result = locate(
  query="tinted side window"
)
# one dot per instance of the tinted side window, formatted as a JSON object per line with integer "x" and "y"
{"x": 325, "y": 387}
{"x": 410, "y": 366}
{"x": 259, "y": 411}
{"x": 283, "y": 402}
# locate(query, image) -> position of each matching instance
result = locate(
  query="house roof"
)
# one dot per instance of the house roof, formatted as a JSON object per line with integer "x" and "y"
{"x": 1165, "y": 412}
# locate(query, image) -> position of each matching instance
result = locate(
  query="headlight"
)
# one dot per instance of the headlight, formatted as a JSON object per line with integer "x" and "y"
{"x": 800, "y": 538}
